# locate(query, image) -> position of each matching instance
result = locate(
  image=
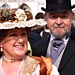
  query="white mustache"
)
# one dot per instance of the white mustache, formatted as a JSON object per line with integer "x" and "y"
{"x": 59, "y": 25}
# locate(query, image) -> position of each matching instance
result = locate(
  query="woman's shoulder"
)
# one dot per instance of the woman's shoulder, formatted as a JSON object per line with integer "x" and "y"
{"x": 31, "y": 59}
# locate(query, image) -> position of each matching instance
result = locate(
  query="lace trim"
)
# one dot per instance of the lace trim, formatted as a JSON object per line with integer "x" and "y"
{"x": 22, "y": 24}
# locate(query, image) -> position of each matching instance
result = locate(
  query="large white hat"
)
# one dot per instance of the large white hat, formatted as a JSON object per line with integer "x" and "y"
{"x": 23, "y": 24}
{"x": 20, "y": 20}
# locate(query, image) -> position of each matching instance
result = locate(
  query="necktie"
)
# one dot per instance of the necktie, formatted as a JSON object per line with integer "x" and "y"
{"x": 56, "y": 48}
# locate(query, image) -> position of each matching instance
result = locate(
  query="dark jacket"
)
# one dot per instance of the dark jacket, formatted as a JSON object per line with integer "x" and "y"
{"x": 34, "y": 36}
{"x": 67, "y": 63}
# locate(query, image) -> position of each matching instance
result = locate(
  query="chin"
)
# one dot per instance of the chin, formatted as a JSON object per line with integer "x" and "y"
{"x": 20, "y": 54}
{"x": 59, "y": 35}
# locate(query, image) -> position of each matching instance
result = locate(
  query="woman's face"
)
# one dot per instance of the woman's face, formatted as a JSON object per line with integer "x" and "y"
{"x": 15, "y": 45}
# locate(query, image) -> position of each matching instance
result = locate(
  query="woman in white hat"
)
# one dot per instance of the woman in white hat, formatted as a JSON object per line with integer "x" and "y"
{"x": 14, "y": 54}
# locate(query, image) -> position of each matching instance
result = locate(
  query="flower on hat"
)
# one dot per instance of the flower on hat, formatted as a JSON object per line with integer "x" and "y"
{"x": 20, "y": 15}
{"x": 18, "y": 18}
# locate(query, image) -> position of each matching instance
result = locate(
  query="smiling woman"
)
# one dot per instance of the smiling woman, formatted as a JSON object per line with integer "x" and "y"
{"x": 15, "y": 59}
{"x": 13, "y": 45}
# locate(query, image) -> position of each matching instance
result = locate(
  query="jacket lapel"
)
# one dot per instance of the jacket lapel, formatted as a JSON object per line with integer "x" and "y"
{"x": 69, "y": 52}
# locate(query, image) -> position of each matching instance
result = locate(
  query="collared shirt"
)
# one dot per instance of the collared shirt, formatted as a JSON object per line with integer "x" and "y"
{"x": 49, "y": 51}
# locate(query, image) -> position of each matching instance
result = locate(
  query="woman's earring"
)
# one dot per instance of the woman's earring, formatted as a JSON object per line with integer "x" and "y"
{"x": 1, "y": 49}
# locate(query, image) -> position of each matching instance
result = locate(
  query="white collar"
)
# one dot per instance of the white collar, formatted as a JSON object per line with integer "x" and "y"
{"x": 64, "y": 38}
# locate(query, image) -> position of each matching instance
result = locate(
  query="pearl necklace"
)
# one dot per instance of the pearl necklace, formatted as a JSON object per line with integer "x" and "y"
{"x": 10, "y": 60}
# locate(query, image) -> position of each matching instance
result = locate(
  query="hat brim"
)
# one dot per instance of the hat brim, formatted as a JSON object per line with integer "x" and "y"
{"x": 22, "y": 24}
{"x": 57, "y": 10}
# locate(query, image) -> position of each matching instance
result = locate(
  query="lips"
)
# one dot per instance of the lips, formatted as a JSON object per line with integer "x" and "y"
{"x": 19, "y": 46}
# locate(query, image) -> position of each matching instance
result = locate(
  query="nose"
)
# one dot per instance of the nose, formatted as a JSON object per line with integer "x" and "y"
{"x": 58, "y": 21}
{"x": 20, "y": 39}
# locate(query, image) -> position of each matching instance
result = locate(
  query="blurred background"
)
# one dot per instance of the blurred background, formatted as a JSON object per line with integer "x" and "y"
{"x": 35, "y": 5}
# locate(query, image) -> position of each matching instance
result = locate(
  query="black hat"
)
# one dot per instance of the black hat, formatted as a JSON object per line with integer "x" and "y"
{"x": 58, "y": 6}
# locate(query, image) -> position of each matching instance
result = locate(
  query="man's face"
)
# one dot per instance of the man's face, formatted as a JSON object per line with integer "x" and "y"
{"x": 59, "y": 23}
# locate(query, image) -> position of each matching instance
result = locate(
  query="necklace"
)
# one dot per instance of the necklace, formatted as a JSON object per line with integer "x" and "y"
{"x": 10, "y": 60}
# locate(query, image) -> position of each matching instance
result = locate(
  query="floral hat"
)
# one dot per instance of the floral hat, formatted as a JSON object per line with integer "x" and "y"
{"x": 11, "y": 18}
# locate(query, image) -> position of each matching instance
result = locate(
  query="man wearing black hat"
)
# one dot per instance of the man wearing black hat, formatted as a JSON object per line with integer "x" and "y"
{"x": 59, "y": 16}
